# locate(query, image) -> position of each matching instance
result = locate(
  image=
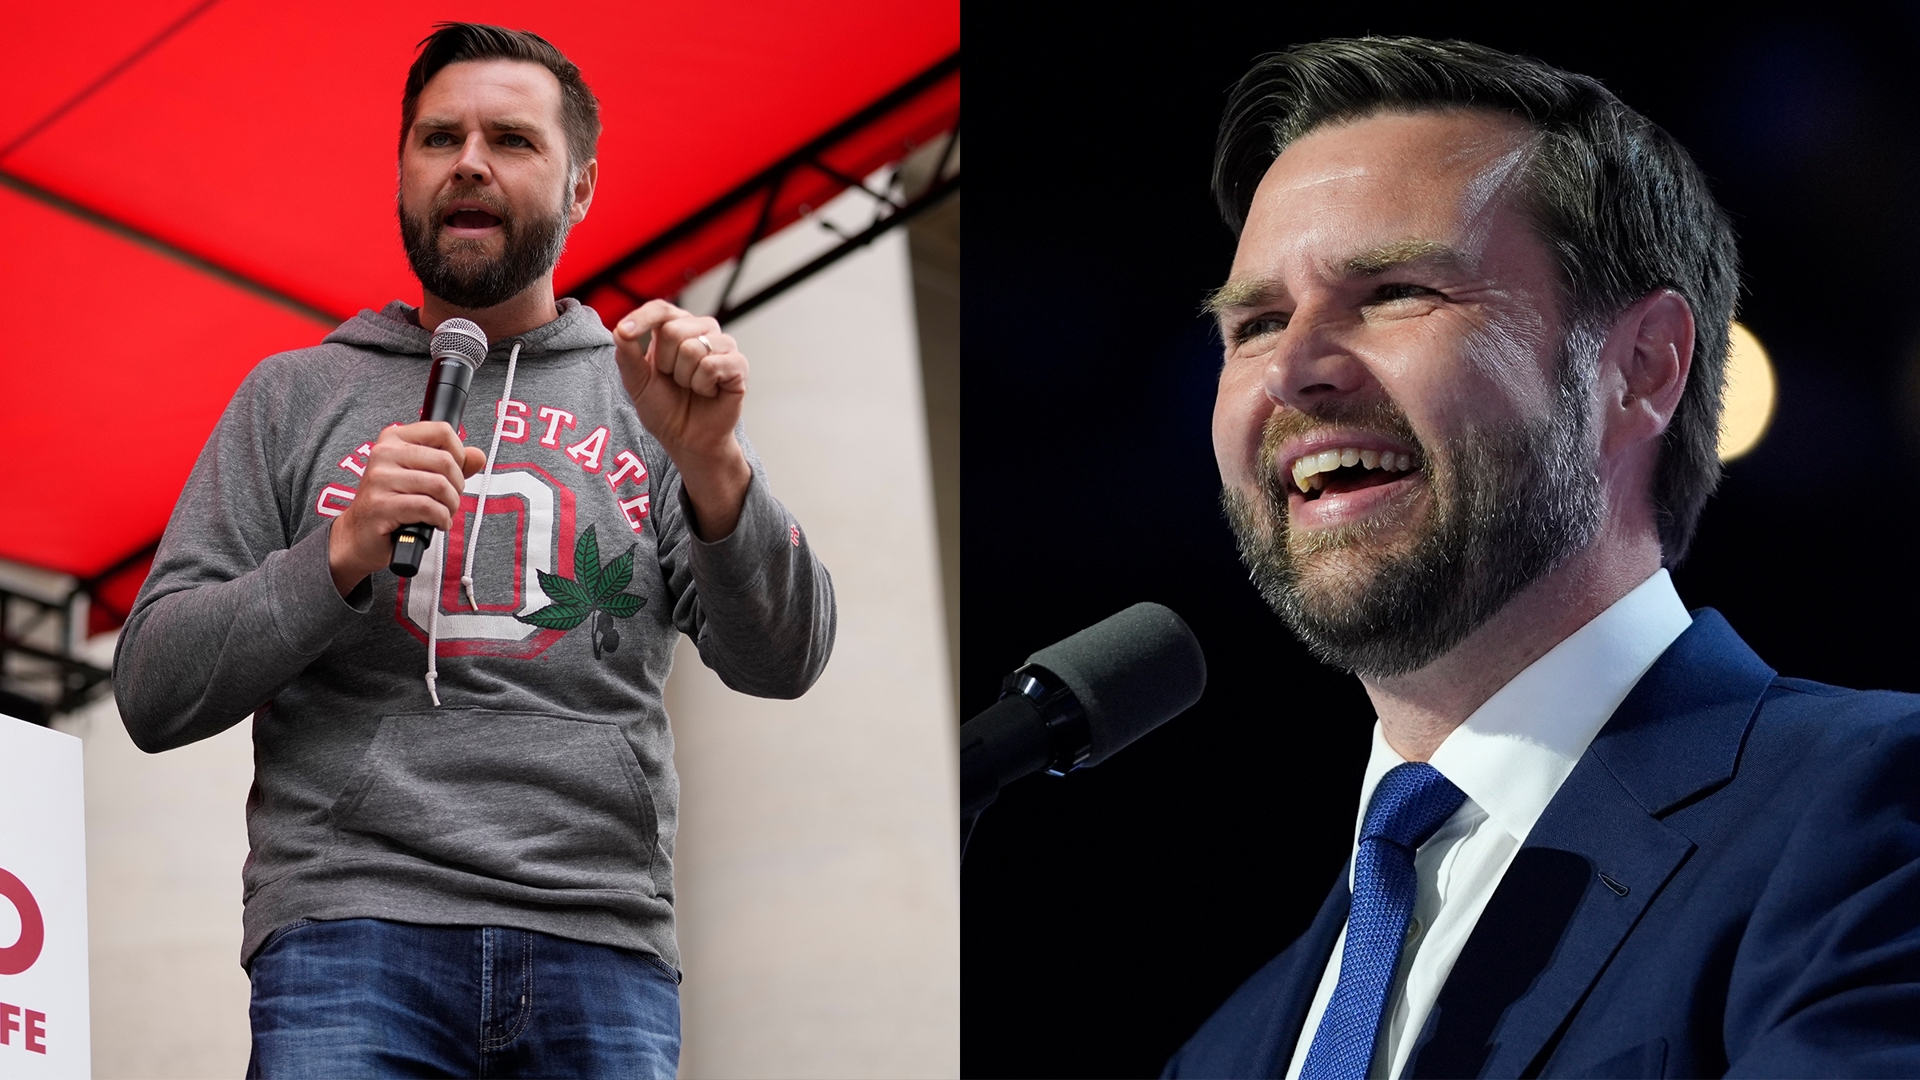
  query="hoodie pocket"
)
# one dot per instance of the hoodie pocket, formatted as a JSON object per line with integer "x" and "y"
{"x": 547, "y": 802}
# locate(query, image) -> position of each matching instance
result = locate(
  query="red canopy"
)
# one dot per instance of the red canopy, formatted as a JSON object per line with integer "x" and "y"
{"x": 188, "y": 187}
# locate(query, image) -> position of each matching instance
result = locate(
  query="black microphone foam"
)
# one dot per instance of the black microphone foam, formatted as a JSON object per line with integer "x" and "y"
{"x": 1130, "y": 672}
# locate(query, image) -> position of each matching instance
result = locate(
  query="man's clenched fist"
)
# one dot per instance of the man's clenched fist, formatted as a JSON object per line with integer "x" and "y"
{"x": 414, "y": 476}
{"x": 688, "y": 381}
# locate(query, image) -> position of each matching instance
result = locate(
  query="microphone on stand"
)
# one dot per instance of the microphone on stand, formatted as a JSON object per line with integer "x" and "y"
{"x": 1079, "y": 701}
{"x": 458, "y": 349}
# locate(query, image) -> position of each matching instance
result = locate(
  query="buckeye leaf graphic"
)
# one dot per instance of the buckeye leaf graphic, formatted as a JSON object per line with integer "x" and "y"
{"x": 586, "y": 563}
{"x": 570, "y": 605}
{"x": 623, "y": 606}
{"x": 617, "y": 575}
{"x": 597, "y": 590}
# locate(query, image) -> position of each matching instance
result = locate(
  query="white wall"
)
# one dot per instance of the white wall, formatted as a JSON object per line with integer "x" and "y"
{"x": 818, "y": 857}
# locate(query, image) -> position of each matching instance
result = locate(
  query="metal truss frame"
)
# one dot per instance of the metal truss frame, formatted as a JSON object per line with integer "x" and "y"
{"x": 888, "y": 213}
{"x": 766, "y": 187}
{"x": 44, "y": 671}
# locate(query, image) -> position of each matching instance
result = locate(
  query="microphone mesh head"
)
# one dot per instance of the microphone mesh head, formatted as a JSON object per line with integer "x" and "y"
{"x": 458, "y": 339}
{"x": 1130, "y": 672}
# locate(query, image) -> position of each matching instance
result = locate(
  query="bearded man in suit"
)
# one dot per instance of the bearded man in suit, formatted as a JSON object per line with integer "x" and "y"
{"x": 1476, "y": 332}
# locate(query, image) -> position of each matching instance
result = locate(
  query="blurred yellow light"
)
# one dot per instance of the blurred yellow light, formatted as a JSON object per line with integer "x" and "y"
{"x": 1748, "y": 404}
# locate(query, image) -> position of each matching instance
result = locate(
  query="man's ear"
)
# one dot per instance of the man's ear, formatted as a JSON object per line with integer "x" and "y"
{"x": 1643, "y": 369}
{"x": 581, "y": 195}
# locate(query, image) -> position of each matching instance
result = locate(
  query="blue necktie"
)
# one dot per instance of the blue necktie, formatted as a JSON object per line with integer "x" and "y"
{"x": 1410, "y": 804}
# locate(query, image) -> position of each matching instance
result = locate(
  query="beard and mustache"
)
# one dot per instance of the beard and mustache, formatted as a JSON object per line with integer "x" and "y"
{"x": 1509, "y": 502}
{"x": 464, "y": 275}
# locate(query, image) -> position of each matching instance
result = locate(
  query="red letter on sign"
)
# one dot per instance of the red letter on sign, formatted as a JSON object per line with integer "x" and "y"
{"x": 36, "y": 1031}
{"x": 9, "y": 1021}
{"x": 20, "y": 955}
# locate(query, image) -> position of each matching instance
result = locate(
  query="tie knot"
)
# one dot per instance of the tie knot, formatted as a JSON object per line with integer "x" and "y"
{"x": 1410, "y": 804}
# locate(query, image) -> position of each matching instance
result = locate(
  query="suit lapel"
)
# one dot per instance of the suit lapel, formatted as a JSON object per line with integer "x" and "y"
{"x": 1544, "y": 969}
{"x": 1596, "y": 859}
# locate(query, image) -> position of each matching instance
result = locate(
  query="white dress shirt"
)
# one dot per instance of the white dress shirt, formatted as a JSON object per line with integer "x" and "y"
{"x": 1509, "y": 757}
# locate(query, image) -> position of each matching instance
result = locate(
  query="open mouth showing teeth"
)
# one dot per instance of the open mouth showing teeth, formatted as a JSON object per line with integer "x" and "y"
{"x": 1336, "y": 471}
{"x": 471, "y": 219}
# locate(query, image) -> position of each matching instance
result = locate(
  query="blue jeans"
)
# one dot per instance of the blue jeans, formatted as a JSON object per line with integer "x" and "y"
{"x": 367, "y": 997}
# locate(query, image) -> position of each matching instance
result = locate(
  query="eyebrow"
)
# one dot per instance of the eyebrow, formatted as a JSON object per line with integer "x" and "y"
{"x": 1253, "y": 292}
{"x": 1400, "y": 252}
{"x": 503, "y": 123}
{"x": 1241, "y": 293}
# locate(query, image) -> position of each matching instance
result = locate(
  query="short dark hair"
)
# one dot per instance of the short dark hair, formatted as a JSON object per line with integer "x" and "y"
{"x": 1619, "y": 202}
{"x": 454, "y": 42}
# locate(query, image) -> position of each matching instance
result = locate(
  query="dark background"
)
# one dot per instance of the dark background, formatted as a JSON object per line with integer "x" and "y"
{"x": 1107, "y": 914}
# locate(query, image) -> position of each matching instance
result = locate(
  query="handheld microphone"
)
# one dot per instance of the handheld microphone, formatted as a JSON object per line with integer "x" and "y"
{"x": 459, "y": 348}
{"x": 1079, "y": 701}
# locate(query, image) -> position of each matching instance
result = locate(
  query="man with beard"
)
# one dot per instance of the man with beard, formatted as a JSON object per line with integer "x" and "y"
{"x": 1475, "y": 333}
{"x": 461, "y": 854}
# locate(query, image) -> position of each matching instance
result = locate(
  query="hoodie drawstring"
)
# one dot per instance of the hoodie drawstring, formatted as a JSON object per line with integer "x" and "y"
{"x": 433, "y": 626}
{"x": 473, "y": 540}
{"x": 486, "y": 478}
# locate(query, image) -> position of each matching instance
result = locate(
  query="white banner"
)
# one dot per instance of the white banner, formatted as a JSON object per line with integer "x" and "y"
{"x": 43, "y": 904}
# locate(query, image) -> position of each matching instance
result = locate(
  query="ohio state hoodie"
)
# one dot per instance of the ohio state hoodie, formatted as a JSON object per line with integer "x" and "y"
{"x": 540, "y": 793}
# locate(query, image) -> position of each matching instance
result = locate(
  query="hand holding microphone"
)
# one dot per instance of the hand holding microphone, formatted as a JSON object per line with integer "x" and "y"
{"x": 415, "y": 473}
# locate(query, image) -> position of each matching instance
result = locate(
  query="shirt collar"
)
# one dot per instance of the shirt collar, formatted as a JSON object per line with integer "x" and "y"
{"x": 1514, "y": 752}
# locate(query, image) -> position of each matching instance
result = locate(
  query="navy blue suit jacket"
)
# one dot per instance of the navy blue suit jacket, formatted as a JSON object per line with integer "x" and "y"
{"x": 1759, "y": 913}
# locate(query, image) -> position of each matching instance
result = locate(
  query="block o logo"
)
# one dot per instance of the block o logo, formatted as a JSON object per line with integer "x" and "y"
{"x": 20, "y": 955}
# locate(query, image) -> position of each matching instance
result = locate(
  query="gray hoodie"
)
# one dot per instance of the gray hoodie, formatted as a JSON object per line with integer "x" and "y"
{"x": 540, "y": 793}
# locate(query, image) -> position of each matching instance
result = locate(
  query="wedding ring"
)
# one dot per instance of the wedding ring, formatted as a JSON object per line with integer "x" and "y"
{"x": 702, "y": 339}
